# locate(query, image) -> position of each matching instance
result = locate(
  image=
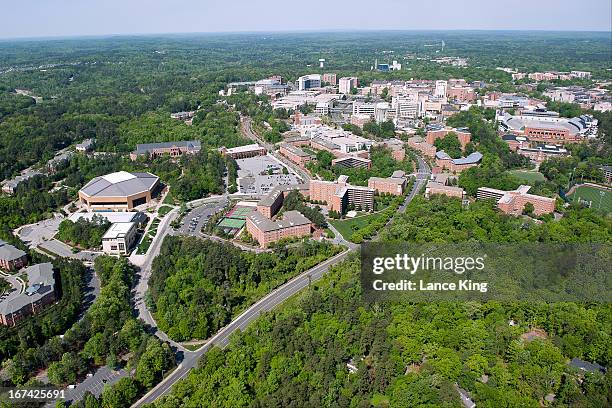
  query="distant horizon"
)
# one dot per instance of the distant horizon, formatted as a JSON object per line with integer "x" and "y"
{"x": 101, "y": 18}
{"x": 297, "y": 31}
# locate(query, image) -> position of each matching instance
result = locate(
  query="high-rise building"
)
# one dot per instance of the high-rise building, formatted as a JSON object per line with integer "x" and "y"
{"x": 440, "y": 90}
{"x": 309, "y": 81}
{"x": 347, "y": 83}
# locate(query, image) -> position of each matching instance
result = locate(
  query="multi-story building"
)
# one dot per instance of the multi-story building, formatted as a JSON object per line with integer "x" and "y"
{"x": 435, "y": 132}
{"x": 120, "y": 191}
{"x": 273, "y": 201}
{"x": 542, "y": 152}
{"x": 338, "y": 195}
{"x": 295, "y": 154}
{"x": 11, "y": 258}
{"x": 243, "y": 152}
{"x": 265, "y": 231}
{"x": 441, "y": 88}
{"x": 40, "y": 292}
{"x": 119, "y": 238}
{"x": 420, "y": 145}
{"x": 445, "y": 162}
{"x": 309, "y": 81}
{"x": 346, "y": 84}
{"x": 406, "y": 105}
{"x": 394, "y": 185}
{"x": 434, "y": 188}
{"x": 461, "y": 94}
{"x": 173, "y": 149}
{"x": 513, "y": 202}
{"x": 10, "y": 186}
{"x": 352, "y": 162}
{"x": 330, "y": 78}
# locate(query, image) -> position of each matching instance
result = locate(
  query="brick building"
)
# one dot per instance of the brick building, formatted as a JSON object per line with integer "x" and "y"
{"x": 445, "y": 162}
{"x": 265, "y": 231}
{"x": 11, "y": 258}
{"x": 435, "y": 132}
{"x": 513, "y": 202}
{"x": 396, "y": 184}
{"x": 338, "y": 195}
{"x": 295, "y": 154}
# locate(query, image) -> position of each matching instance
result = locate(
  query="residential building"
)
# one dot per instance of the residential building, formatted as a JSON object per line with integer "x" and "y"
{"x": 10, "y": 186}
{"x": 445, "y": 162}
{"x": 394, "y": 185}
{"x": 173, "y": 149}
{"x": 182, "y": 115}
{"x": 434, "y": 187}
{"x": 346, "y": 84}
{"x": 243, "y": 152}
{"x": 273, "y": 201}
{"x": 11, "y": 258}
{"x": 435, "y": 132}
{"x": 338, "y": 195}
{"x": 40, "y": 292}
{"x": 85, "y": 146}
{"x": 265, "y": 231}
{"x": 513, "y": 202}
{"x": 119, "y": 239}
{"x": 120, "y": 191}
{"x": 420, "y": 145}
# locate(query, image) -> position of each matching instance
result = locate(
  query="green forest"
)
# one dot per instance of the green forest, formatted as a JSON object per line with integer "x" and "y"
{"x": 408, "y": 355}
{"x": 198, "y": 286}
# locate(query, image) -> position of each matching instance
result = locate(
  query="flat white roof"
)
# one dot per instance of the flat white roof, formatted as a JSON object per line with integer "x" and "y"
{"x": 111, "y": 216}
{"x": 118, "y": 229}
{"x": 245, "y": 148}
{"x": 118, "y": 177}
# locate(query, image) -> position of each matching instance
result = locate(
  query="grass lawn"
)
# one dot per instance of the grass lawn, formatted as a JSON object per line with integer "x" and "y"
{"x": 599, "y": 199}
{"x": 347, "y": 226}
{"x": 144, "y": 245}
{"x": 528, "y": 176}
{"x": 163, "y": 210}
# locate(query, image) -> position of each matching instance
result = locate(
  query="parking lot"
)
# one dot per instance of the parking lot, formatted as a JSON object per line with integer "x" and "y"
{"x": 196, "y": 219}
{"x": 35, "y": 234}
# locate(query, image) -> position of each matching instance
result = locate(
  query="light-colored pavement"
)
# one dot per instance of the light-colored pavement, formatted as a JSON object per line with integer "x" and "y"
{"x": 247, "y": 131}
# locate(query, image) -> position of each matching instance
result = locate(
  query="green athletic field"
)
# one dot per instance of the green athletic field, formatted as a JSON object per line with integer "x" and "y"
{"x": 599, "y": 199}
{"x": 528, "y": 176}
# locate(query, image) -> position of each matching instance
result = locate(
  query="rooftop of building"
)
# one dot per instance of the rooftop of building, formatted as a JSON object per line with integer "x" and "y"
{"x": 290, "y": 219}
{"x": 295, "y": 150}
{"x": 439, "y": 186}
{"x": 40, "y": 282}
{"x": 120, "y": 184}
{"x": 8, "y": 252}
{"x": 472, "y": 158}
{"x": 118, "y": 230}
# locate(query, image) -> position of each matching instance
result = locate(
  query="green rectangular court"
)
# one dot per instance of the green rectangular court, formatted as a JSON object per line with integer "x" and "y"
{"x": 232, "y": 223}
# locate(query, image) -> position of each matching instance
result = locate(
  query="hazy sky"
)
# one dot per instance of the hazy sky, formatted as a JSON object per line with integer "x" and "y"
{"x": 36, "y": 18}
